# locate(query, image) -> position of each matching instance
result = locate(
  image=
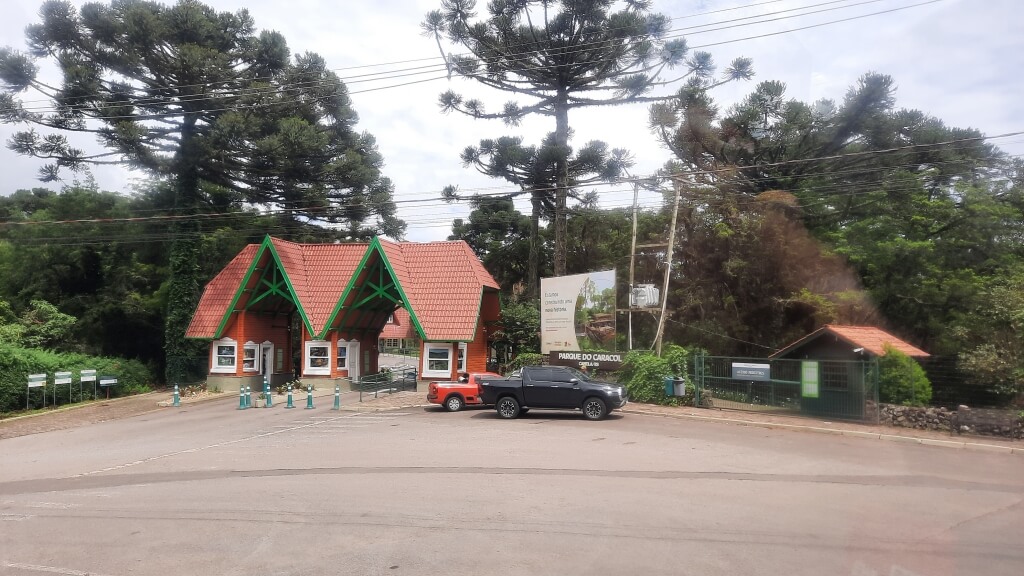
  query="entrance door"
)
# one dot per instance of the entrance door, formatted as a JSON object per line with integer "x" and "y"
{"x": 268, "y": 361}
{"x": 354, "y": 360}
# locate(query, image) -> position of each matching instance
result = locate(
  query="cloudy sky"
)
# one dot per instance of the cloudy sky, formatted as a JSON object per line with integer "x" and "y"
{"x": 959, "y": 60}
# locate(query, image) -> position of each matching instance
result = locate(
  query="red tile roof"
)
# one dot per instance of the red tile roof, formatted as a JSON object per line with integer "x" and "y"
{"x": 445, "y": 285}
{"x": 870, "y": 338}
{"x": 328, "y": 270}
{"x": 218, "y": 294}
{"x": 401, "y": 328}
{"x": 443, "y": 282}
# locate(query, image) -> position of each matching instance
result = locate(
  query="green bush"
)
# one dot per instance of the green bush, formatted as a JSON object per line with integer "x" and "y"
{"x": 901, "y": 380}
{"x": 644, "y": 374}
{"x": 525, "y": 359}
{"x": 16, "y": 364}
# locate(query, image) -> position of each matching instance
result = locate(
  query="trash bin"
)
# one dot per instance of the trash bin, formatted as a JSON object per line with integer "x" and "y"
{"x": 675, "y": 386}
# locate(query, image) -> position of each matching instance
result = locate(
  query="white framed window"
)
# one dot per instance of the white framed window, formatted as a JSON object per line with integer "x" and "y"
{"x": 390, "y": 343}
{"x": 391, "y": 318}
{"x": 318, "y": 358}
{"x": 437, "y": 360}
{"x": 225, "y": 356}
{"x": 251, "y": 357}
{"x": 463, "y": 349}
{"x": 342, "y": 355}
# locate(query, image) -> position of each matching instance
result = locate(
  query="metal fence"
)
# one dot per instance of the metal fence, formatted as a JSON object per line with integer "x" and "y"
{"x": 396, "y": 379}
{"x": 822, "y": 388}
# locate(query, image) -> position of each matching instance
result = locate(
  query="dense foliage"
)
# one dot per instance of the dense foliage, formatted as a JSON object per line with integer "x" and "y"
{"x": 858, "y": 212}
{"x": 17, "y": 363}
{"x": 643, "y": 373}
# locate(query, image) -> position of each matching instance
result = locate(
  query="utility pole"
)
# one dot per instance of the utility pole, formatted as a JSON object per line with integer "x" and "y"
{"x": 668, "y": 269}
{"x": 632, "y": 263}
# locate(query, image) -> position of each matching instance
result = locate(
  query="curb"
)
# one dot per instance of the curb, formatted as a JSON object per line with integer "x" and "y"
{"x": 851, "y": 433}
{"x": 190, "y": 401}
{"x": 72, "y": 407}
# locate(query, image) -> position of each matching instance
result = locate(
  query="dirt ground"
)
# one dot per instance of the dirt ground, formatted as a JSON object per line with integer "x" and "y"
{"x": 70, "y": 417}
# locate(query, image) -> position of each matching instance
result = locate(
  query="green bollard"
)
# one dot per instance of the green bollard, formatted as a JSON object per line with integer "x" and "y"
{"x": 241, "y": 397}
{"x": 248, "y": 396}
{"x": 309, "y": 397}
{"x": 337, "y": 397}
{"x": 289, "y": 404}
{"x": 177, "y": 396}
{"x": 266, "y": 392}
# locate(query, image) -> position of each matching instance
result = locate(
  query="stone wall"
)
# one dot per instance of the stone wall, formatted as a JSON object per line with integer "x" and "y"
{"x": 913, "y": 417}
{"x": 964, "y": 420}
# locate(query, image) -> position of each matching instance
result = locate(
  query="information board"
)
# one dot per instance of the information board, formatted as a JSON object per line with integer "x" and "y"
{"x": 809, "y": 379}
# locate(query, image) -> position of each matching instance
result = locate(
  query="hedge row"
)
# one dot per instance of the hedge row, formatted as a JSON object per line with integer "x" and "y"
{"x": 17, "y": 363}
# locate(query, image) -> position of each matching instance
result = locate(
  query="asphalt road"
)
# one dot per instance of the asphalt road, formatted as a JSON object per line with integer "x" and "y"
{"x": 208, "y": 489}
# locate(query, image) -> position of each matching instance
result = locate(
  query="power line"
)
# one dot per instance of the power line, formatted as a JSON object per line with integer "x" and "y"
{"x": 427, "y": 202}
{"x": 284, "y": 88}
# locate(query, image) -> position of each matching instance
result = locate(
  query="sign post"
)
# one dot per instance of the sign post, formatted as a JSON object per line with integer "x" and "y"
{"x": 107, "y": 382}
{"x": 58, "y": 379}
{"x": 87, "y": 376}
{"x": 35, "y": 381}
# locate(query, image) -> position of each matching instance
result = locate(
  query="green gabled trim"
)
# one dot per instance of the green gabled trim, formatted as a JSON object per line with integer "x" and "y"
{"x": 266, "y": 244}
{"x": 379, "y": 289}
{"x": 288, "y": 282}
{"x": 479, "y": 310}
{"x": 272, "y": 287}
{"x": 241, "y": 288}
{"x": 375, "y": 245}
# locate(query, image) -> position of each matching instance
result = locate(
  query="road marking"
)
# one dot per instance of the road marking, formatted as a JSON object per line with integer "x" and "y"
{"x": 14, "y": 517}
{"x": 51, "y": 569}
{"x": 50, "y": 505}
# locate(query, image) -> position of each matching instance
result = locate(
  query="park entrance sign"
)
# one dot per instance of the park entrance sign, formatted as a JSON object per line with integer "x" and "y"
{"x": 581, "y": 306}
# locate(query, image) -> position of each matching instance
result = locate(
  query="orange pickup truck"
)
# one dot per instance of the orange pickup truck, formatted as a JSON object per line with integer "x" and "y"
{"x": 455, "y": 395}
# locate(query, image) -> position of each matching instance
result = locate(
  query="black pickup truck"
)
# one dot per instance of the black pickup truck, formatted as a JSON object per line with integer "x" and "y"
{"x": 554, "y": 388}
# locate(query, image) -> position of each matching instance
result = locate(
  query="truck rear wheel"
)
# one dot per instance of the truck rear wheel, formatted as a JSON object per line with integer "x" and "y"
{"x": 454, "y": 403}
{"x": 507, "y": 407}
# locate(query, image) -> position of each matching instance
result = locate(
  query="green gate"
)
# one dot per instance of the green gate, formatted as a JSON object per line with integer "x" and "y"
{"x": 824, "y": 388}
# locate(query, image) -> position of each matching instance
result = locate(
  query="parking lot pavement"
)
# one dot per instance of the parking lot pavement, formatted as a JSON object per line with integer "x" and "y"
{"x": 835, "y": 427}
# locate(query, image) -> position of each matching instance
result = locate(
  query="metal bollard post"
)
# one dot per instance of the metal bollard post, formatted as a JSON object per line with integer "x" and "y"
{"x": 241, "y": 397}
{"x": 337, "y": 397}
{"x": 248, "y": 396}
{"x": 266, "y": 392}
{"x": 309, "y": 397}
{"x": 177, "y": 396}
{"x": 289, "y": 404}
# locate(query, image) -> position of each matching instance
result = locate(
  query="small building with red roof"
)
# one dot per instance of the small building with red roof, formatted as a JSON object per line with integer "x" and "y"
{"x": 837, "y": 342}
{"x": 280, "y": 309}
{"x": 398, "y": 333}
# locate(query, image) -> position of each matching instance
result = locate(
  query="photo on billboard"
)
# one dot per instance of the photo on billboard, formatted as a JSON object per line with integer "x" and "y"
{"x": 578, "y": 312}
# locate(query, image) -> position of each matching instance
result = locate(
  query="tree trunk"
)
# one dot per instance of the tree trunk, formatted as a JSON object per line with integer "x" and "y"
{"x": 533, "y": 265}
{"x": 561, "y": 182}
{"x": 184, "y": 283}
